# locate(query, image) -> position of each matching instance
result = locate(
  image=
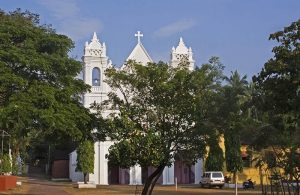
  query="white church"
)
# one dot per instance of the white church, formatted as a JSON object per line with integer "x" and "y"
{"x": 95, "y": 62}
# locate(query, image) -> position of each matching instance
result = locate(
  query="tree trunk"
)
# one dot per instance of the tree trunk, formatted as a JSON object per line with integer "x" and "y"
{"x": 235, "y": 179}
{"x": 85, "y": 178}
{"x": 297, "y": 186}
{"x": 282, "y": 186}
{"x": 288, "y": 187}
{"x": 152, "y": 179}
{"x": 261, "y": 180}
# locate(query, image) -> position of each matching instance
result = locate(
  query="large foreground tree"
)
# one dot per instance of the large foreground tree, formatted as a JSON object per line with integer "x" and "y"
{"x": 158, "y": 112}
{"x": 279, "y": 100}
{"x": 39, "y": 92}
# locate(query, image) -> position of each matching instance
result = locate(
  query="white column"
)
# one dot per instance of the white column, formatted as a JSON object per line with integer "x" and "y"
{"x": 198, "y": 170}
{"x": 74, "y": 175}
{"x": 168, "y": 175}
{"x": 88, "y": 74}
{"x": 94, "y": 177}
{"x": 103, "y": 167}
{"x": 135, "y": 175}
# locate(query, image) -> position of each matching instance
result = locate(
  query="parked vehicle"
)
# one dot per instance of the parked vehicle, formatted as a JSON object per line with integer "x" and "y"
{"x": 248, "y": 184}
{"x": 212, "y": 178}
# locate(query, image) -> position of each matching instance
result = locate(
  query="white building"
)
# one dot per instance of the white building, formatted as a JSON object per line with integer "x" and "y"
{"x": 95, "y": 63}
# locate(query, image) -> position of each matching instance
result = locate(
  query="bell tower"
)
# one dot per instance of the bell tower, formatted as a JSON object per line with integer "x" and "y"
{"x": 182, "y": 55}
{"x": 95, "y": 62}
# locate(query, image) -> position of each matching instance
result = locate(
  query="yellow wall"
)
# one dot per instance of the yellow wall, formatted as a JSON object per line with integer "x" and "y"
{"x": 248, "y": 172}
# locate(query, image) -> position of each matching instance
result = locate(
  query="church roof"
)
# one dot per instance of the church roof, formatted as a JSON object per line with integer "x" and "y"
{"x": 139, "y": 53}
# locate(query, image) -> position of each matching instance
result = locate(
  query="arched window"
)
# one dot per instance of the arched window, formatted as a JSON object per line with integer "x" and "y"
{"x": 96, "y": 77}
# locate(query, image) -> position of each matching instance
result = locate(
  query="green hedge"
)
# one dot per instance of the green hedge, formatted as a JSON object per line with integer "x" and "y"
{"x": 5, "y": 164}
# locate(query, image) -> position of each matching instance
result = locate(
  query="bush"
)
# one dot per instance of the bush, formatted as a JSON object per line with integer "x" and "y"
{"x": 5, "y": 165}
{"x": 14, "y": 166}
{"x": 85, "y": 158}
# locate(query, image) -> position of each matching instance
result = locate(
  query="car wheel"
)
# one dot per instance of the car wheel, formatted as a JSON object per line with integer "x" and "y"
{"x": 221, "y": 186}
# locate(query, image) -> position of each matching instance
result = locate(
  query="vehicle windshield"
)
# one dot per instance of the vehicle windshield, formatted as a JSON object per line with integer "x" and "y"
{"x": 217, "y": 175}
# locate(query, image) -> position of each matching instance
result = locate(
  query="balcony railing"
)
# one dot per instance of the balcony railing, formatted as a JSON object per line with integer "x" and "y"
{"x": 96, "y": 88}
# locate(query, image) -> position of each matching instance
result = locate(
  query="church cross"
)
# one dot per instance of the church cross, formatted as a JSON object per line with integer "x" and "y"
{"x": 139, "y": 35}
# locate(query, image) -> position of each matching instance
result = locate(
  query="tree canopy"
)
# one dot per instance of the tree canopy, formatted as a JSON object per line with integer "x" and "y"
{"x": 279, "y": 79}
{"x": 158, "y": 112}
{"x": 277, "y": 100}
{"x": 215, "y": 158}
{"x": 233, "y": 94}
{"x": 39, "y": 92}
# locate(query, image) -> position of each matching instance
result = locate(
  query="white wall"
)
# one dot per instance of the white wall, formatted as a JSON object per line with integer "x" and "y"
{"x": 198, "y": 170}
{"x": 168, "y": 175}
{"x": 74, "y": 175}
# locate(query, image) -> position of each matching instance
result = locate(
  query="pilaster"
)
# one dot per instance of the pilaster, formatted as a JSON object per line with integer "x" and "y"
{"x": 168, "y": 175}
{"x": 198, "y": 170}
{"x": 135, "y": 175}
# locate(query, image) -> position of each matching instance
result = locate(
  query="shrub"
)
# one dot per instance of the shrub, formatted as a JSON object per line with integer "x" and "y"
{"x": 5, "y": 165}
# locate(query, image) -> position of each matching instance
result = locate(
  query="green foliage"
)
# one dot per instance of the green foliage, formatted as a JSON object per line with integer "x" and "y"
{"x": 279, "y": 80}
{"x": 39, "y": 92}
{"x": 5, "y": 165}
{"x": 278, "y": 101}
{"x": 145, "y": 150}
{"x": 278, "y": 84}
{"x": 292, "y": 163}
{"x": 157, "y": 111}
{"x": 215, "y": 158}
{"x": 85, "y": 157}
{"x": 233, "y": 156}
{"x": 233, "y": 95}
{"x": 14, "y": 166}
{"x": 160, "y": 112}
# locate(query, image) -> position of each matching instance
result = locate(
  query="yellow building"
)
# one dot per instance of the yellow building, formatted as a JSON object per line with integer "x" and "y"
{"x": 249, "y": 169}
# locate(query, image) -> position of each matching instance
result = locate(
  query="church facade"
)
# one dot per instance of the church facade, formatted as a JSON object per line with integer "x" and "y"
{"x": 95, "y": 62}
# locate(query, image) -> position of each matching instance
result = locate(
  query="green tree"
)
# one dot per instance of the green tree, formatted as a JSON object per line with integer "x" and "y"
{"x": 215, "y": 158}
{"x": 279, "y": 79}
{"x": 85, "y": 158}
{"x": 159, "y": 112}
{"x": 5, "y": 164}
{"x": 279, "y": 100}
{"x": 233, "y": 95}
{"x": 39, "y": 93}
{"x": 233, "y": 156}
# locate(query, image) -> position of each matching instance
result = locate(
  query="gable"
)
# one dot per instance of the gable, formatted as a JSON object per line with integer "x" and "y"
{"x": 140, "y": 55}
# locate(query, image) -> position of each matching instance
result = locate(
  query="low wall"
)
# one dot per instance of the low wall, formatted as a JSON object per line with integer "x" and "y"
{"x": 7, "y": 182}
{"x": 60, "y": 169}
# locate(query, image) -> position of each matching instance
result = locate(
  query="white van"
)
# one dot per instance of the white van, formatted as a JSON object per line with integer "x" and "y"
{"x": 212, "y": 178}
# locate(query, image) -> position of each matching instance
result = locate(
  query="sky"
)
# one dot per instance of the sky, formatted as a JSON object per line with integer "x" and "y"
{"x": 236, "y": 31}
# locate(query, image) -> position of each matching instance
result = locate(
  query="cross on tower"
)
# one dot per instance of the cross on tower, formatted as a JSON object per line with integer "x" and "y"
{"x": 139, "y": 35}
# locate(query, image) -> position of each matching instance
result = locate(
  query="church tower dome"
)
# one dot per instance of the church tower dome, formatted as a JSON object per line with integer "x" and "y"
{"x": 182, "y": 55}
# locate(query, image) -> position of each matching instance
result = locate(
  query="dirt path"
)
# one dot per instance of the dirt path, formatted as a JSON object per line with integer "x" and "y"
{"x": 40, "y": 187}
